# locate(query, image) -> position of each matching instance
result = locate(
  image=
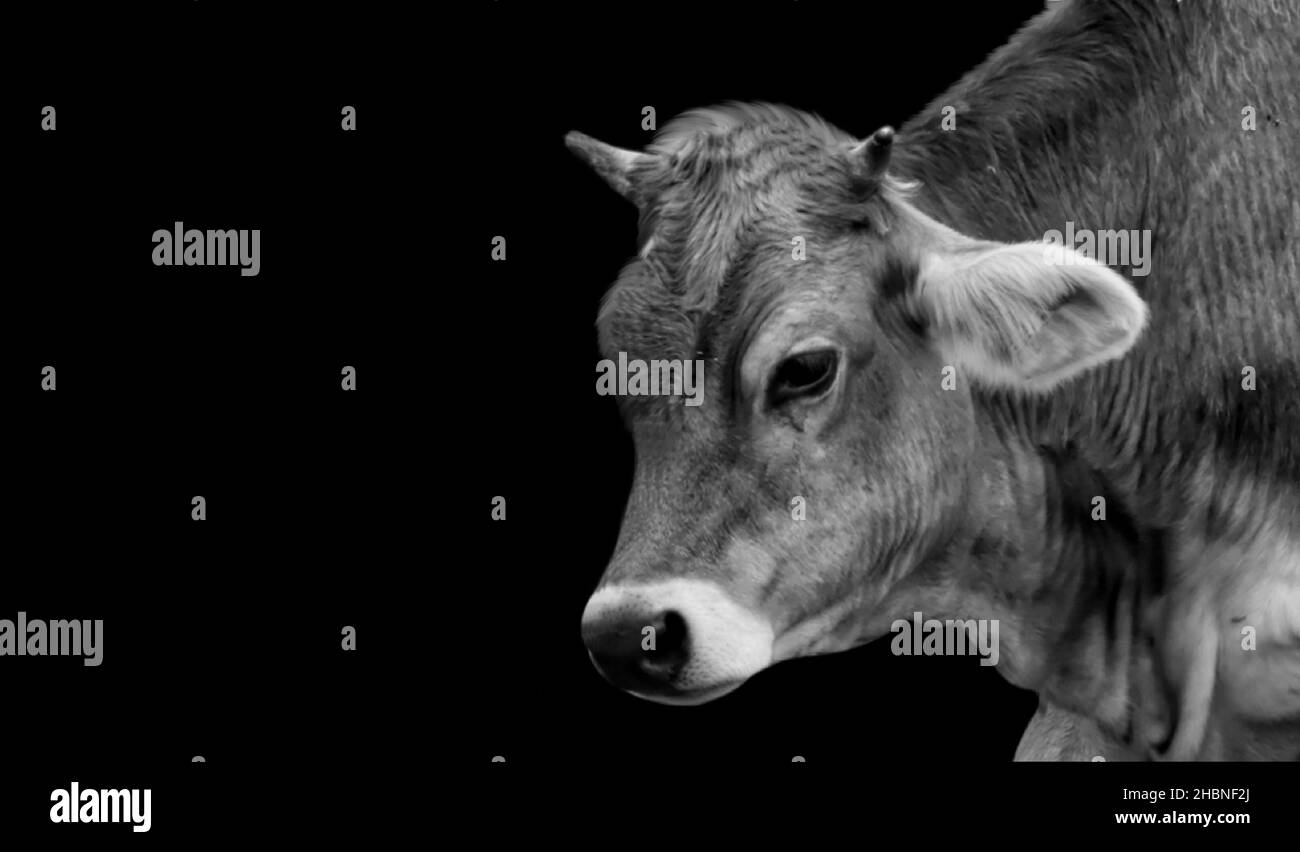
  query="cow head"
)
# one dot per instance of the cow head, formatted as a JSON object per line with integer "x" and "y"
{"x": 840, "y": 330}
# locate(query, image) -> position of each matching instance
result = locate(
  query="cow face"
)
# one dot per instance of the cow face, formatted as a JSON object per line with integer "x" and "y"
{"x": 841, "y": 331}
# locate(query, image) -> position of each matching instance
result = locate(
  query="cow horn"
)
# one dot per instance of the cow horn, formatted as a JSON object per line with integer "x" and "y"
{"x": 873, "y": 153}
{"x": 615, "y": 165}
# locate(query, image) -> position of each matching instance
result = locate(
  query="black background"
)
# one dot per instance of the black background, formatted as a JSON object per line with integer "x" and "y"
{"x": 222, "y": 638}
{"x": 475, "y": 379}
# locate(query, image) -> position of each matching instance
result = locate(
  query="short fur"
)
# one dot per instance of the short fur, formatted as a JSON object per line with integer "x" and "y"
{"x": 979, "y": 503}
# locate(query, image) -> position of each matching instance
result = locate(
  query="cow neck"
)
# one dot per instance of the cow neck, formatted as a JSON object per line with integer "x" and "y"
{"x": 1044, "y": 136}
{"x": 1053, "y": 553}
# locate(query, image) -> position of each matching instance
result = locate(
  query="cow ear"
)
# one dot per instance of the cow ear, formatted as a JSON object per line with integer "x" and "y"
{"x": 1025, "y": 316}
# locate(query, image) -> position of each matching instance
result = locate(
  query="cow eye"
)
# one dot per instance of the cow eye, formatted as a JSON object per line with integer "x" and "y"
{"x": 807, "y": 374}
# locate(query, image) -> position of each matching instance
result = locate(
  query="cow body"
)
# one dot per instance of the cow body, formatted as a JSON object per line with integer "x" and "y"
{"x": 1113, "y": 112}
{"x": 1169, "y": 627}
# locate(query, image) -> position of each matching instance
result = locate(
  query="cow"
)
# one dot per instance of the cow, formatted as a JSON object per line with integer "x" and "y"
{"x": 975, "y": 419}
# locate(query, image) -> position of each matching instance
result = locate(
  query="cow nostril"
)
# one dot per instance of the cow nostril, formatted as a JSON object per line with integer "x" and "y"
{"x": 639, "y": 652}
{"x": 669, "y": 640}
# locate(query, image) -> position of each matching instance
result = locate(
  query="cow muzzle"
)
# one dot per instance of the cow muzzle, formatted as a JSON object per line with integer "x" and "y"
{"x": 675, "y": 642}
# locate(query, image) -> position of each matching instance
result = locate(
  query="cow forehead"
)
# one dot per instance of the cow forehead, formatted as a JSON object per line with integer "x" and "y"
{"x": 737, "y": 187}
